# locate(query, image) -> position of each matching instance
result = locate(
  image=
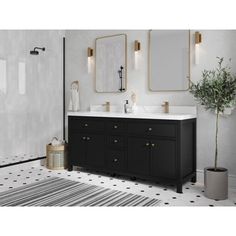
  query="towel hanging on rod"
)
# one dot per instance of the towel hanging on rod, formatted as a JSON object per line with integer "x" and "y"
{"x": 74, "y": 104}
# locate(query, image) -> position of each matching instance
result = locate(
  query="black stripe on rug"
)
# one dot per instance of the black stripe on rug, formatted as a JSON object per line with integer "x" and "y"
{"x": 56, "y": 191}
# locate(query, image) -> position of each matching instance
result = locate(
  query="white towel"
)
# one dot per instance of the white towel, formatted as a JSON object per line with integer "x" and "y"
{"x": 74, "y": 104}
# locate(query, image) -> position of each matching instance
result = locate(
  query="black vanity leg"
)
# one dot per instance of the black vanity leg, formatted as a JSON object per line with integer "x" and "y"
{"x": 70, "y": 167}
{"x": 194, "y": 179}
{"x": 179, "y": 188}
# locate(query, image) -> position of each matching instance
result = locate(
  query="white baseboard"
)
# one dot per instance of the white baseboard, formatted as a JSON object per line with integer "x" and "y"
{"x": 232, "y": 179}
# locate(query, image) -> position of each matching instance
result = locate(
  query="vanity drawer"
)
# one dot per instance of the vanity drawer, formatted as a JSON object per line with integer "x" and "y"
{"x": 164, "y": 130}
{"x": 116, "y": 160}
{"x": 86, "y": 124}
{"x": 116, "y": 141}
{"x": 116, "y": 127}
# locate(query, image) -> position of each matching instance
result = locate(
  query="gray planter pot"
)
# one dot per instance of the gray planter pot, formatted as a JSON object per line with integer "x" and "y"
{"x": 216, "y": 183}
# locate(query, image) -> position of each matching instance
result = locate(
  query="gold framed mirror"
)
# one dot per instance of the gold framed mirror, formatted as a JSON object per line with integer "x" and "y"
{"x": 169, "y": 60}
{"x": 111, "y": 64}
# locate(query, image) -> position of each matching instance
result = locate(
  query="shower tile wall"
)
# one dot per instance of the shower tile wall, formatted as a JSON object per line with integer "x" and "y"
{"x": 29, "y": 121}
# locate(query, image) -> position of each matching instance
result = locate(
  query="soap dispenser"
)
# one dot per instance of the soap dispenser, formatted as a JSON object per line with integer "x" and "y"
{"x": 126, "y": 106}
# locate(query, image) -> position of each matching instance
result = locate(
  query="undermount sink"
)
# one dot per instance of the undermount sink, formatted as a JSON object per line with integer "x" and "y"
{"x": 141, "y": 112}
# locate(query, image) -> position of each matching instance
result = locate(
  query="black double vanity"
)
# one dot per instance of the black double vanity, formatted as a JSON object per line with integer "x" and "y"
{"x": 158, "y": 148}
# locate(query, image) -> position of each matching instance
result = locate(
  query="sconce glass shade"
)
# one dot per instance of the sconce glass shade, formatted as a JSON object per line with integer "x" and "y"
{"x": 90, "y": 59}
{"x": 137, "y": 48}
{"x": 196, "y": 54}
{"x": 90, "y": 64}
{"x": 198, "y": 40}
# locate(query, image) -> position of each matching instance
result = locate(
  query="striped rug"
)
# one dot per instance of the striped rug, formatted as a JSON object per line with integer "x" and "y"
{"x": 56, "y": 191}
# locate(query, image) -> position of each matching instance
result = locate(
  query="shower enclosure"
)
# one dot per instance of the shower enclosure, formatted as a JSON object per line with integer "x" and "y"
{"x": 31, "y": 91}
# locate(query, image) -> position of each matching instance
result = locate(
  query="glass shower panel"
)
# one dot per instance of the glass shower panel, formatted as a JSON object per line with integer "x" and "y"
{"x": 31, "y": 91}
{"x": 21, "y": 78}
{"x": 3, "y": 76}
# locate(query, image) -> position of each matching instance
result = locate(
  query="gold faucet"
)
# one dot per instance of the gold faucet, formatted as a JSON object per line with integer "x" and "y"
{"x": 107, "y": 106}
{"x": 166, "y": 107}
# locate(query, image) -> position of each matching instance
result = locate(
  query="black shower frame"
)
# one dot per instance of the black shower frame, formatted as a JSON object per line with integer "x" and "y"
{"x": 64, "y": 77}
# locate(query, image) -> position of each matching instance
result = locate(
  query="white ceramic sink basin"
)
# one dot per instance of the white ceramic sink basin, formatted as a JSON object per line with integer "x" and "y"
{"x": 159, "y": 116}
{"x": 142, "y": 112}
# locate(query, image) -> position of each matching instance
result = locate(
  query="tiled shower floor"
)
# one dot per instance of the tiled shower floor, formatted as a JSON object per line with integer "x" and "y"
{"x": 193, "y": 193}
{"x": 17, "y": 159}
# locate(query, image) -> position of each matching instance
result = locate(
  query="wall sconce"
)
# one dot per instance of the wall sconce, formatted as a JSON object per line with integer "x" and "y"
{"x": 137, "y": 46}
{"x": 90, "y": 61}
{"x": 198, "y": 37}
{"x": 137, "y": 49}
{"x": 198, "y": 40}
{"x": 90, "y": 52}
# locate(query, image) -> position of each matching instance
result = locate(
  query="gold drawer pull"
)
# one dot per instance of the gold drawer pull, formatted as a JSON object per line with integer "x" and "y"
{"x": 115, "y": 126}
{"x": 115, "y": 141}
{"x": 88, "y": 138}
{"x": 153, "y": 144}
{"x": 86, "y": 125}
{"x": 115, "y": 160}
{"x": 150, "y": 129}
{"x": 147, "y": 144}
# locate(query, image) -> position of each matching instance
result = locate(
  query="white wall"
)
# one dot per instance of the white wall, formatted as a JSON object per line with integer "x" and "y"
{"x": 28, "y": 122}
{"x": 215, "y": 43}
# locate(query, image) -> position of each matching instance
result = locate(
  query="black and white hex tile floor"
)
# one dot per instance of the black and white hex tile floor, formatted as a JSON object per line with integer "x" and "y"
{"x": 19, "y": 175}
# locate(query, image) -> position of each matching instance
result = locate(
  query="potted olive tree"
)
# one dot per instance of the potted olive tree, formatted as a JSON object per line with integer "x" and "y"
{"x": 216, "y": 92}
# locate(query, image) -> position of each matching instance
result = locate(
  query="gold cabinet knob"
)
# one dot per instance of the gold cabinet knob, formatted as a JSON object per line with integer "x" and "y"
{"x": 88, "y": 138}
{"x": 147, "y": 144}
{"x": 115, "y": 159}
{"x": 86, "y": 125}
{"x": 153, "y": 144}
{"x": 149, "y": 129}
{"x": 115, "y": 126}
{"x": 115, "y": 141}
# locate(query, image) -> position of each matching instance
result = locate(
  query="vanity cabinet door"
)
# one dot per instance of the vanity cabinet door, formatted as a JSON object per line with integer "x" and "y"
{"x": 77, "y": 149}
{"x": 163, "y": 159}
{"x": 138, "y": 156}
{"x": 95, "y": 155}
{"x": 116, "y": 160}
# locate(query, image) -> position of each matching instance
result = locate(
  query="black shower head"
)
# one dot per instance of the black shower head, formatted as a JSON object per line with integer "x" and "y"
{"x": 35, "y": 52}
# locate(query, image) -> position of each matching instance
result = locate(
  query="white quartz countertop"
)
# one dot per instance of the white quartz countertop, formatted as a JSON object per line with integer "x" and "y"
{"x": 156, "y": 116}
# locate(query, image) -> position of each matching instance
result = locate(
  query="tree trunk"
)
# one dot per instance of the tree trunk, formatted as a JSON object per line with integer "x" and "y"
{"x": 216, "y": 139}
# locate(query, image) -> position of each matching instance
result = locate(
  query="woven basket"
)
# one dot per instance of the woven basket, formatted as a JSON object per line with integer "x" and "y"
{"x": 56, "y": 157}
